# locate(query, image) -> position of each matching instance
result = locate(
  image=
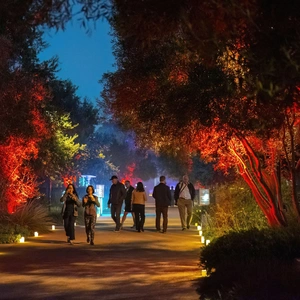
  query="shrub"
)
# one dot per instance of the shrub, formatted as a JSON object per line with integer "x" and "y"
{"x": 254, "y": 264}
{"x": 235, "y": 210}
{"x": 33, "y": 216}
{"x": 252, "y": 245}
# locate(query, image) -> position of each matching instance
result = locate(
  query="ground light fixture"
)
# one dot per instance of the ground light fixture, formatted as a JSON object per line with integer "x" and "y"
{"x": 22, "y": 239}
{"x": 36, "y": 234}
{"x": 200, "y": 232}
{"x": 53, "y": 227}
{"x": 199, "y": 227}
{"x": 207, "y": 242}
{"x": 202, "y": 239}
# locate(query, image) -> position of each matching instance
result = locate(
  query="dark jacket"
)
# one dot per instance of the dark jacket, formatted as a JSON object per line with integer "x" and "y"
{"x": 162, "y": 195}
{"x": 178, "y": 188}
{"x": 117, "y": 193}
{"x": 72, "y": 198}
{"x": 90, "y": 206}
{"x": 128, "y": 195}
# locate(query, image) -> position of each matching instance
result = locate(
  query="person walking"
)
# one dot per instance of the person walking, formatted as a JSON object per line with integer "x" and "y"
{"x": 162, "y": 195}
{"x": 139, "y": 199}
{"x": 116, "y": 196}
{"x": 184, "y": 198}
{"x": 128, "y": 206}
{"x": 70, "y": 211}
{"x": 89, "y": 202}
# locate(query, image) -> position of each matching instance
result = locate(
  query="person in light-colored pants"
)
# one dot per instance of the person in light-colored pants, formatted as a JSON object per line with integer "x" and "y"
{"x": 185, "y": 208}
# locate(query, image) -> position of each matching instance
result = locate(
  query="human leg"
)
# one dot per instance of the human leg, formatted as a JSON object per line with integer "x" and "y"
{"x": 92, "y": 228}
{"x": 165, "y": 218}
{"x": 118, "y": 215}
{"x": 181, "y": 209}
{"x": 189, "y": 206}
{"x": 157, "y": 219}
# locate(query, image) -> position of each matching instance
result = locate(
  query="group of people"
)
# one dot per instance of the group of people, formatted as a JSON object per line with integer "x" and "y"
{"x": 135, "y": 200}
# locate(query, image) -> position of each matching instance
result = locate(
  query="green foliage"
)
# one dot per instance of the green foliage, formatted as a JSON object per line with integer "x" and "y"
{"x": 248, "y": 246}
{"x": 235, "y": 210}
{"x": 256, "y": 264}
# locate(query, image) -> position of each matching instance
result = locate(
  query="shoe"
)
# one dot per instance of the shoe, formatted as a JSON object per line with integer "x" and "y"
{"x": 142, "y": 230}
{"x": 158, "y": 230}
{"x": 138, "y": 231}
{"x": 88, "y": 240}
{"x": 188, "y": 227}
{"x": 117, "y": 230}
{"x": 162, "y": 231}
{"x": 121, "y": 226}
{"x": 133, "y": 226}
{"x": 71, "y": 243}
{"x": 68, "y": 240}
{"x": 92, "y": 242}
{"x": 183, "y": 228}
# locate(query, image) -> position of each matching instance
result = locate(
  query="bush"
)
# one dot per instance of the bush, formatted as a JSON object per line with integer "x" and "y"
{"x": 10, "y": 233}
{"x": 235, "y": 210}
{"x": 252, "y": 265}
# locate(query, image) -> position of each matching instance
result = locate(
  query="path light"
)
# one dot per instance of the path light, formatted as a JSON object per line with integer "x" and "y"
{"x": 204, "y": 273}
{"x": 207, "y": 242}
{"x": 75, "y": 224}
{"x": 202, "y": 239}
{"x": 36, "y": 234}
{"x": 22, "y": 239}
{"x": 199, "y": 227}
{"x": 200, "y": 232}
{"x": 196, "y": 224}
{"x": 53, "y": 227}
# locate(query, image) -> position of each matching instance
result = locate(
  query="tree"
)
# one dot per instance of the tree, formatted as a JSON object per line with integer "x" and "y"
{"x": 174, "y": 95}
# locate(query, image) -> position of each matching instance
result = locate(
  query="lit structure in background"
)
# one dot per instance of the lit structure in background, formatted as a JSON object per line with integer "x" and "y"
{"x": 22, "y": 239}
{"x": 36, "y": 234}
{"x": 53, "y": 227}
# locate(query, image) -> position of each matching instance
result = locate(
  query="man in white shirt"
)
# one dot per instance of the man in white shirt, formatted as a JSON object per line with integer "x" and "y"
{"x": 184, "y": 198}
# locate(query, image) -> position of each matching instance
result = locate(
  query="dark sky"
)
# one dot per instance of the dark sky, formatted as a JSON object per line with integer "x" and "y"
{"x": 83, "y": 57}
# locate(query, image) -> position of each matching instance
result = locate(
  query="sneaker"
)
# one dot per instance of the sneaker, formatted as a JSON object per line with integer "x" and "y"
{"x": 71, "y": 243}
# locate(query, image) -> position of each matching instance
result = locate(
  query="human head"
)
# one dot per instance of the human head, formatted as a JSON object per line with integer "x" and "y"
{"x": 71, "y": 189}
{"x": 140, "y": 187}
{"x": 90, "y": 189}
{"x": 185, "y": 178}
{"x": 114, "y": 179}
{"x": 127, "y": 183}
{"x": 162, "y": 179}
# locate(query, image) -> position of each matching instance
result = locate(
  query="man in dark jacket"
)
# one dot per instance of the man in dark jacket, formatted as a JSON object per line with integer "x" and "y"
{"x": 128, "y": 207}
{"x": 162, "y": 195}
{"x": 116, "y": 196}
{"x": 184, "y": 198}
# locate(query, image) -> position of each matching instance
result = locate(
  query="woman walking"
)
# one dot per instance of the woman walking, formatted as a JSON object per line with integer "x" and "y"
{"x": 70, "y": 211}
{"x": 89, "y": 202}
{"x": 138, "y": 199}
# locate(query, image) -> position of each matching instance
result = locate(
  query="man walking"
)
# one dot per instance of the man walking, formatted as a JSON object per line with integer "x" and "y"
{"x": 162, "y": 195}
{"x": 128, "y": 207}
{"x": 116, "y": 196}
{"x": 184, "y": 196}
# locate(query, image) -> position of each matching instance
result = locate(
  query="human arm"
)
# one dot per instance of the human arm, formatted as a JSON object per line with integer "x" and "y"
{"x": 176, "y": 193}
{"x": 97, "y": 203}
{"x": 84, "y": 201}
{"x": 169, "y": 196}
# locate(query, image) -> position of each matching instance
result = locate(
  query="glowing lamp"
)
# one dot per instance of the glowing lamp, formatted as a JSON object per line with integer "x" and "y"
{"x": 53, "y": 227}
{"x": 199, "y": 227}
{"x": 204, "y": 273}
{"x": 202, "y": 239}
{"x": 196, "y": 224}
{"x": 36, "y": 234}
{"x": 75, "y": 224}
{"x": 22, "y": 239}
{"x": 200, "y": 232}
{"x": 207, "y": 242}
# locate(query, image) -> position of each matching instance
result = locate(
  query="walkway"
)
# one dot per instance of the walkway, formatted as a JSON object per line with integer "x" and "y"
{"x": 125, "y": 265}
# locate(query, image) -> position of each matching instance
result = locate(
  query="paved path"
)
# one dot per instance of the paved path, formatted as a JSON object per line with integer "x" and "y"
{"x": 125, "y": 265}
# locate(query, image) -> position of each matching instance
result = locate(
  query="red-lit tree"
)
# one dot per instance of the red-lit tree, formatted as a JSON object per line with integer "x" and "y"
{"x": 232, "y": 102}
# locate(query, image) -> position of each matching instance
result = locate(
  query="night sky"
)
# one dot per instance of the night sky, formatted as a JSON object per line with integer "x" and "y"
{"x": 83, "y": 57}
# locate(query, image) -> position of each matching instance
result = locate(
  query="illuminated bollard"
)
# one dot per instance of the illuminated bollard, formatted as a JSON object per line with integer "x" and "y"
{"x": 196, "y": 224}
{"x": 202, "y": 239}
{"x": 200, "y": 232}
{"x": 75, "y": 224}
{"x": 53, "y": 227}
{"x": 204, "y": 273}
{"x": 22, "y": 239}
{"x": 36, "y": 234}
{"x": 207, "y": 242}
{"x": 199, "y": 227}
